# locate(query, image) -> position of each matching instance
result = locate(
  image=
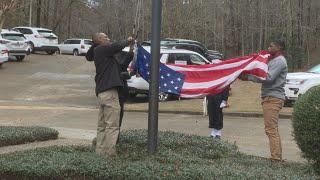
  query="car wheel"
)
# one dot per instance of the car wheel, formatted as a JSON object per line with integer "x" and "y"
{"x": 75, "y": 52}
{"x": 50, "y": 52}
{"x": 19, "y": 58}
{"x": 163, "y": 96}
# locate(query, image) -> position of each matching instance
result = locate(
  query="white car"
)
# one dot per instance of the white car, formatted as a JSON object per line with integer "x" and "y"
{"x": 4, "y": 56}
{"x": 40, "y": 39}
{"x": 137, "y": 85}
{"x": 75, "y": 46}
{"x": 15, "y": 42}
{"x": 300, "y": 82}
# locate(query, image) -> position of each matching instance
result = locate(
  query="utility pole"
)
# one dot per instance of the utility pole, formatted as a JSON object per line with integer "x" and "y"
{"x": 154, "y": 85}
{"x": 30, "y": 13}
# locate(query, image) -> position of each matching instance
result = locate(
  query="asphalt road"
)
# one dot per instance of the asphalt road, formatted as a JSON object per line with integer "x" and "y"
{"x": 58, "y": 91}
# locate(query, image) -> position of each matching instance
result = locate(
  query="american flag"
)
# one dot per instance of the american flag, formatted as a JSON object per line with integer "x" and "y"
{"x": 170, "y": 81}
{"x": 197, "y": 81}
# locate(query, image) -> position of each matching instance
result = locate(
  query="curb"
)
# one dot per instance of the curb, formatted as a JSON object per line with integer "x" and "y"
{"x": 232, "y": 114}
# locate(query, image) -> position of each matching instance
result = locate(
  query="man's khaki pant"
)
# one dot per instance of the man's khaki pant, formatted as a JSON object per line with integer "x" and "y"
{"x": 108, "y": 123}
{"x": 271, "y": 108}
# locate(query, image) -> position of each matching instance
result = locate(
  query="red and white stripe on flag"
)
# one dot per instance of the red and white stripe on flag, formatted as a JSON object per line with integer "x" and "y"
{"x": 210, "y": 79}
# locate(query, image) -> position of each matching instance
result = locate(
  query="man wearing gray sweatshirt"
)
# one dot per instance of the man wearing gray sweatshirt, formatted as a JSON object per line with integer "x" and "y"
{"x": 273, "y": 95}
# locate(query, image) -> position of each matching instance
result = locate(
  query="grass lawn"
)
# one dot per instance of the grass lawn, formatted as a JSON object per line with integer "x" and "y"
{"x": 179, "y": 156}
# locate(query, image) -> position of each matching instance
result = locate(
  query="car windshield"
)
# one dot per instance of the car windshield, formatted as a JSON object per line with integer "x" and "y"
{"x": 315, "y": 69}
{"x": 45, "y": 33}
{"x": 195, "y": 59}
{"x": 13, "y": 37}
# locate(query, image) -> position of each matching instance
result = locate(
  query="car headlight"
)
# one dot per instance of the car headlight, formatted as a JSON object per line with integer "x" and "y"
{"x": 295, "y": 81}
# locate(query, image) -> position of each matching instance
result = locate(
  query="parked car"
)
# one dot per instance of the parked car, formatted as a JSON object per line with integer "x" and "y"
{"x": 137, "y": 85}
{"x": 300, "y": 82}
{"x": 4, "y": 56}
{"x": 189, "y": 45}
{"x": 195, "y": 48}
{"x": 15, "y": 43}
{"x": 75, "y": 46}
{"x": 40, "y": 39}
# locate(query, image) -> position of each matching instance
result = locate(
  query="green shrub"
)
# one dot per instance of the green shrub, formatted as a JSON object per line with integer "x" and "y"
{"x": 179, "y": 156}
{"x": 306, "y": 125}
{"x": 12, "y": 135}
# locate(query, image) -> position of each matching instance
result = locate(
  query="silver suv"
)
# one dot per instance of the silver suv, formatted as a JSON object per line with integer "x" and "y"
{"x": 75, "y": 46}
{"x": 40, "y": 39}
{"x": 15, "y": 43}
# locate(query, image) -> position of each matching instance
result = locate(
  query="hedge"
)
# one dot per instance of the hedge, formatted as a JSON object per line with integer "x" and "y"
{"x": 306, "y": 125}
{"x": 179, "y": 156}
{"x": 13, "y": 135}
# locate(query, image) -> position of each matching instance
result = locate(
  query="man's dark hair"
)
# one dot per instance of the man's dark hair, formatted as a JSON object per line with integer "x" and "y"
{"x": 280, "y": 42}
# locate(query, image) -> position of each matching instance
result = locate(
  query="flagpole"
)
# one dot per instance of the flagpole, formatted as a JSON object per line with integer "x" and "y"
{"x": 154, "y": 84}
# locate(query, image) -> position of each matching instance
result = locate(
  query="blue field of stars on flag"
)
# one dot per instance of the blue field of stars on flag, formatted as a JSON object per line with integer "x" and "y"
{"x": 170, "y": 81}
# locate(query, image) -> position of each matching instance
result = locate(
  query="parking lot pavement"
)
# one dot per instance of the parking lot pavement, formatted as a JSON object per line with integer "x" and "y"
{"x": 56, "y": 79}
{"x": 58, "y": 91}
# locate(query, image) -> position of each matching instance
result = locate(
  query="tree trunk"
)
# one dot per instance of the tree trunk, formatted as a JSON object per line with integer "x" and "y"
{"x": 55, "y": 14}
{"x": 46, "y": 13}
{"x": 69, "y": 22}
{"x": 59, "y": 20}
{"x": 242, "y": 32}
{"x": 38, "y": 17}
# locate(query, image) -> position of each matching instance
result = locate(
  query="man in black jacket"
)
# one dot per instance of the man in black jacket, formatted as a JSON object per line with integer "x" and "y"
{"x": 123, "y": 59}
{"x": 108, "y": 85}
